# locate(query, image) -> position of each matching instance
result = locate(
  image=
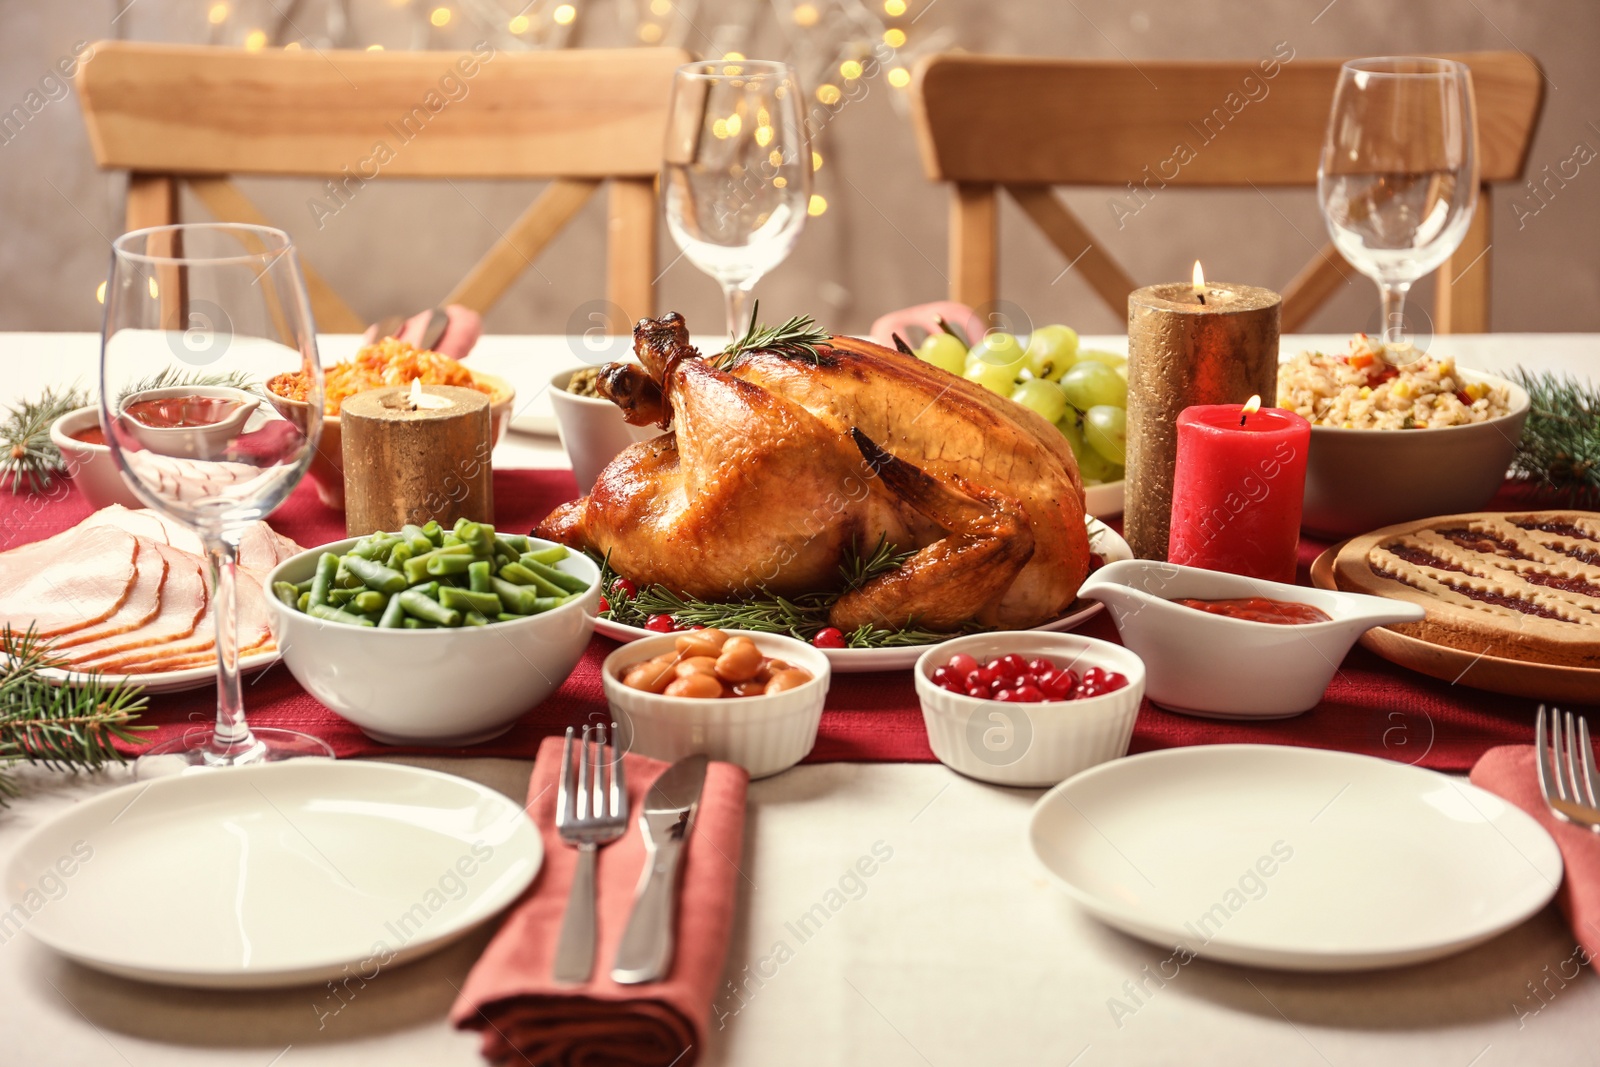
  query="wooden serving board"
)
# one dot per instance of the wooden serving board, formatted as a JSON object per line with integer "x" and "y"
{"x": 1518, "y": 678}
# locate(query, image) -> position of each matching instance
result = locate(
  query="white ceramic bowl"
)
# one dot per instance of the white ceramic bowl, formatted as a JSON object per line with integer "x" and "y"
{"x": 1223, "y": 668}
{"x": 432, "y": 687}
{"x": 1104, "y": 501}
{"x": 91, "y": 467}
{"x": 1361, "y": 480}
{"x": 762, "y": 734}
{"x": 1030, "y": 744}
{"x": 592, "y": 430}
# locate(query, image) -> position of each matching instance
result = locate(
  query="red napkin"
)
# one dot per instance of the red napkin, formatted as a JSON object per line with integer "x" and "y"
{"x": 1509, "y": 772}
{"x": 461, "y": 332}
{"x": 527, "y": 1017}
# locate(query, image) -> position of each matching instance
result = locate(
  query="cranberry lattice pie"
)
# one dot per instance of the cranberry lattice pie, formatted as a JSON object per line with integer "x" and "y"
{"x": 1517, "y": 585}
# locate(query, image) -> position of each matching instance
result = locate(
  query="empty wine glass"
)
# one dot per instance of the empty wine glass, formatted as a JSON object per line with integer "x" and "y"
{"x": 198, "y": 318}
{"x": 1398, "y": 179}
{"x": 736, "y": 172}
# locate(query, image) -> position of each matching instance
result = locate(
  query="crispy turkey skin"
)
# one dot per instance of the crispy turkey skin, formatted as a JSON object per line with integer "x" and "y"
{"x": 777, "y": 463}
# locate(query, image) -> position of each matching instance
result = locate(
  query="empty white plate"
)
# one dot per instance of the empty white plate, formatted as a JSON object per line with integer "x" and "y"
{"x": 1293, "y": 858}
{"x": 276, "y": 875}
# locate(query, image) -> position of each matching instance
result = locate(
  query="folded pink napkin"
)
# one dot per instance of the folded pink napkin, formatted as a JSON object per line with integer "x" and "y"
{"x": 915, "y": 323}
{"x": 527, "y": 1017}
{"x": 462, "y": 332}
{"x": 1509, "y": 772}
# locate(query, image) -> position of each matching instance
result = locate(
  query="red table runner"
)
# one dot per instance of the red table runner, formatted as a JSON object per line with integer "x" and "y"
{"x": 1371, "y": 707}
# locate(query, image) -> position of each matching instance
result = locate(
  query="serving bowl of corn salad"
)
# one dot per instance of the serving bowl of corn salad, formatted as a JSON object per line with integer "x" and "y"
{"x": 1398, "y": 435}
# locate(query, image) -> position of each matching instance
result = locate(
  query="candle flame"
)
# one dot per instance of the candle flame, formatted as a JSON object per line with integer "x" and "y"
{"x": 416, "y": 393}
{"x": 1199, "y": 279}
{"x": 1251, "y": 406}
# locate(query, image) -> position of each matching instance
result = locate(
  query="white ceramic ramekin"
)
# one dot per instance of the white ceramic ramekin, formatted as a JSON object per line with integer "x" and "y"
{"x": 762, "y": 734}
{"x": 1030, "y": 744}
{"x": 91, "y": 467}
{"x": 592, "y": 430}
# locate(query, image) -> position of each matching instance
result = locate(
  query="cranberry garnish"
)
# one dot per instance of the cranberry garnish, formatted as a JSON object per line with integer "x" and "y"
{"x": 962, "y": 664}
{"x": 829, "y": 637}
{"x": 624, "y": 588}
{"x": 605, "y": 605}
{"x": 661, "y": 624}
{"x": 1039, "y": 665}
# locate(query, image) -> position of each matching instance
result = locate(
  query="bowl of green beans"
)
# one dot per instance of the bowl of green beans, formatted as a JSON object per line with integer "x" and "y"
{"x": 433, "y": 635}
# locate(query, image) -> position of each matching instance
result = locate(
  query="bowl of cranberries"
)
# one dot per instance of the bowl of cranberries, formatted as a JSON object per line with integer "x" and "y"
{"x": 1028, "y": 708}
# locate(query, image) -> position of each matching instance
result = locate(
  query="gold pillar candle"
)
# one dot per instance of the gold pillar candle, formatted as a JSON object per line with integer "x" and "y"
{"x": 416, "y": 454}
{"x": 1188, "y": 343}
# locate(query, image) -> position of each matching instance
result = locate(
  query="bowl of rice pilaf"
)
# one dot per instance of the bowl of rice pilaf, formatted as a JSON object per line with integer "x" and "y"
{"x": 1398, "y": 434}
{"x": 390, "y": 361}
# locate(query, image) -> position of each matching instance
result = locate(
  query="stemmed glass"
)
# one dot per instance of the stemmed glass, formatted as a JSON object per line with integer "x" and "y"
{"x": 736, "y": 172}
{"x": 1398, "y": 179}
{"x": 188, "y": 307}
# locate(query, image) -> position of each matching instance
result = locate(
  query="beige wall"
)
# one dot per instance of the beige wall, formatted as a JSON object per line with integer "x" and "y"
{"x": 881, "y": 244}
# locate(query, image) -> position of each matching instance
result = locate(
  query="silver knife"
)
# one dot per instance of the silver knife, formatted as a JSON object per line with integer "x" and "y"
{"x": 645, "y": 954}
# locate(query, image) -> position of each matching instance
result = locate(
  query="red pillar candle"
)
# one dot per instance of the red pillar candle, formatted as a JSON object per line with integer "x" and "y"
{"x": 1237, "y": 489}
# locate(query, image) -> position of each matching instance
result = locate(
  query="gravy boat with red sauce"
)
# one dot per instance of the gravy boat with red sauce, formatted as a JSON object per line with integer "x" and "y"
{"x": 1219, "y": 667}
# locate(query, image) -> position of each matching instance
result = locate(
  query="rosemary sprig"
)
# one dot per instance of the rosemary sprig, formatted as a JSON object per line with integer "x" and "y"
{"x": 797, "y": 338}
{"x": 801, "y": 617}
{"x": 27, "y": 455}
{"x": 62, "y": 727}
{"x": 1560, "y": 444}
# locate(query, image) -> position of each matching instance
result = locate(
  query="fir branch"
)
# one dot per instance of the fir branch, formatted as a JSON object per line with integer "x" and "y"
{"x": 1560, "y": 444}
{"x": 797, "y": 338}
{"x": 27, "y": 455}
{"x": 61, "y": 727}
{"x": 170, "y": 377}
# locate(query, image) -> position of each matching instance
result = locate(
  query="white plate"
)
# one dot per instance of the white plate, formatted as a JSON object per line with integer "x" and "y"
{"x": 157, "y": 682}
{"x": 275, "y": 875}
{"x": 1103, "y": 541}
{"x": 1104, "y": 501}
{"x": 1293, "y": 858}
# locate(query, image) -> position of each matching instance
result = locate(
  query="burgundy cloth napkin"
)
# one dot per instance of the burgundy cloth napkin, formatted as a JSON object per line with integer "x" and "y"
{"x": 1509, "y": 772}
{"x": 527, "y": 1017}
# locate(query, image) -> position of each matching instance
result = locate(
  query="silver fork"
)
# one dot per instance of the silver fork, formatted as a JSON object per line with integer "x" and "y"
{"x": 1560, "y": 774}
{"x": 591, "y": 811}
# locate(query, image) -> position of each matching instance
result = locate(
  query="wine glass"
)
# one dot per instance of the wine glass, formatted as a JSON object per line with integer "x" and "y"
{"x": 198, "y": 318}
{"x": 736, "y": 172}
{"x": 1398, "y": 179}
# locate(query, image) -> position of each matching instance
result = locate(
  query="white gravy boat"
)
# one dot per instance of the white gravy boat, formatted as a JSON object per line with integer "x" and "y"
{"x": 1201, "y": 663}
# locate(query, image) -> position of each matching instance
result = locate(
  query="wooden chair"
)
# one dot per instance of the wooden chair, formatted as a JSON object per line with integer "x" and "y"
{"x": 198, "y": 115}
{"x": 985, "y": 123}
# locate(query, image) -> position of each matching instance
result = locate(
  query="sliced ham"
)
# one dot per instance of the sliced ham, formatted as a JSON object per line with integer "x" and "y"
{"x": 141, "y": 605}
{"x": 254, "y": 634}
{"x": 182, "y": 606}
{"x": 67, "y": 582}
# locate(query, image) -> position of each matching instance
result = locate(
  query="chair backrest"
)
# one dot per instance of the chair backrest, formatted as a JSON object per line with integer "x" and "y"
{"x": 985, "y": 122}
{"x": 198, "y": 115}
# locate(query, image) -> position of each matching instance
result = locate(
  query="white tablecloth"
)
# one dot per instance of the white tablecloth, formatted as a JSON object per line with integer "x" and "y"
{"x": 958, "y": 951}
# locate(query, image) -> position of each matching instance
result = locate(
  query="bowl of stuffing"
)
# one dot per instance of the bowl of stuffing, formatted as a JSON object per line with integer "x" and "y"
{"x": 388, "y": 362}
{"x": 1397, "y": 435}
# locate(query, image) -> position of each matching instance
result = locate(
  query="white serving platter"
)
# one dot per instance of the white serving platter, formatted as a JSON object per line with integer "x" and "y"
{"x": 1103, "y": 541}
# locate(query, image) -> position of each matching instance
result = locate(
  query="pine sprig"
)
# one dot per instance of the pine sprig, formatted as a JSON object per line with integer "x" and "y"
{"x": 1560, "y": 444}
{"x": 800, "y": 617}
{"x": 797, "y": 338}
{"x": 170, "y": 377}
{"x": 27, "y": 455}
{"x": 62, "y": 727}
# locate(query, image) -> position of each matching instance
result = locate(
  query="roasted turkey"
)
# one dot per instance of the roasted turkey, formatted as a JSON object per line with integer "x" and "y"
{"x": 781, "y": 460}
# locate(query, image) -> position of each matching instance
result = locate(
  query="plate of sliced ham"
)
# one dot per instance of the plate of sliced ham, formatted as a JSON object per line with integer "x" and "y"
{"x": 127, "y": 594}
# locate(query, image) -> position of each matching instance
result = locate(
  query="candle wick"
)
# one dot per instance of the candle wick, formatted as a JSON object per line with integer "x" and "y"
{"x": 1242, "y": 418}
{"x": 1199, "y": 294}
